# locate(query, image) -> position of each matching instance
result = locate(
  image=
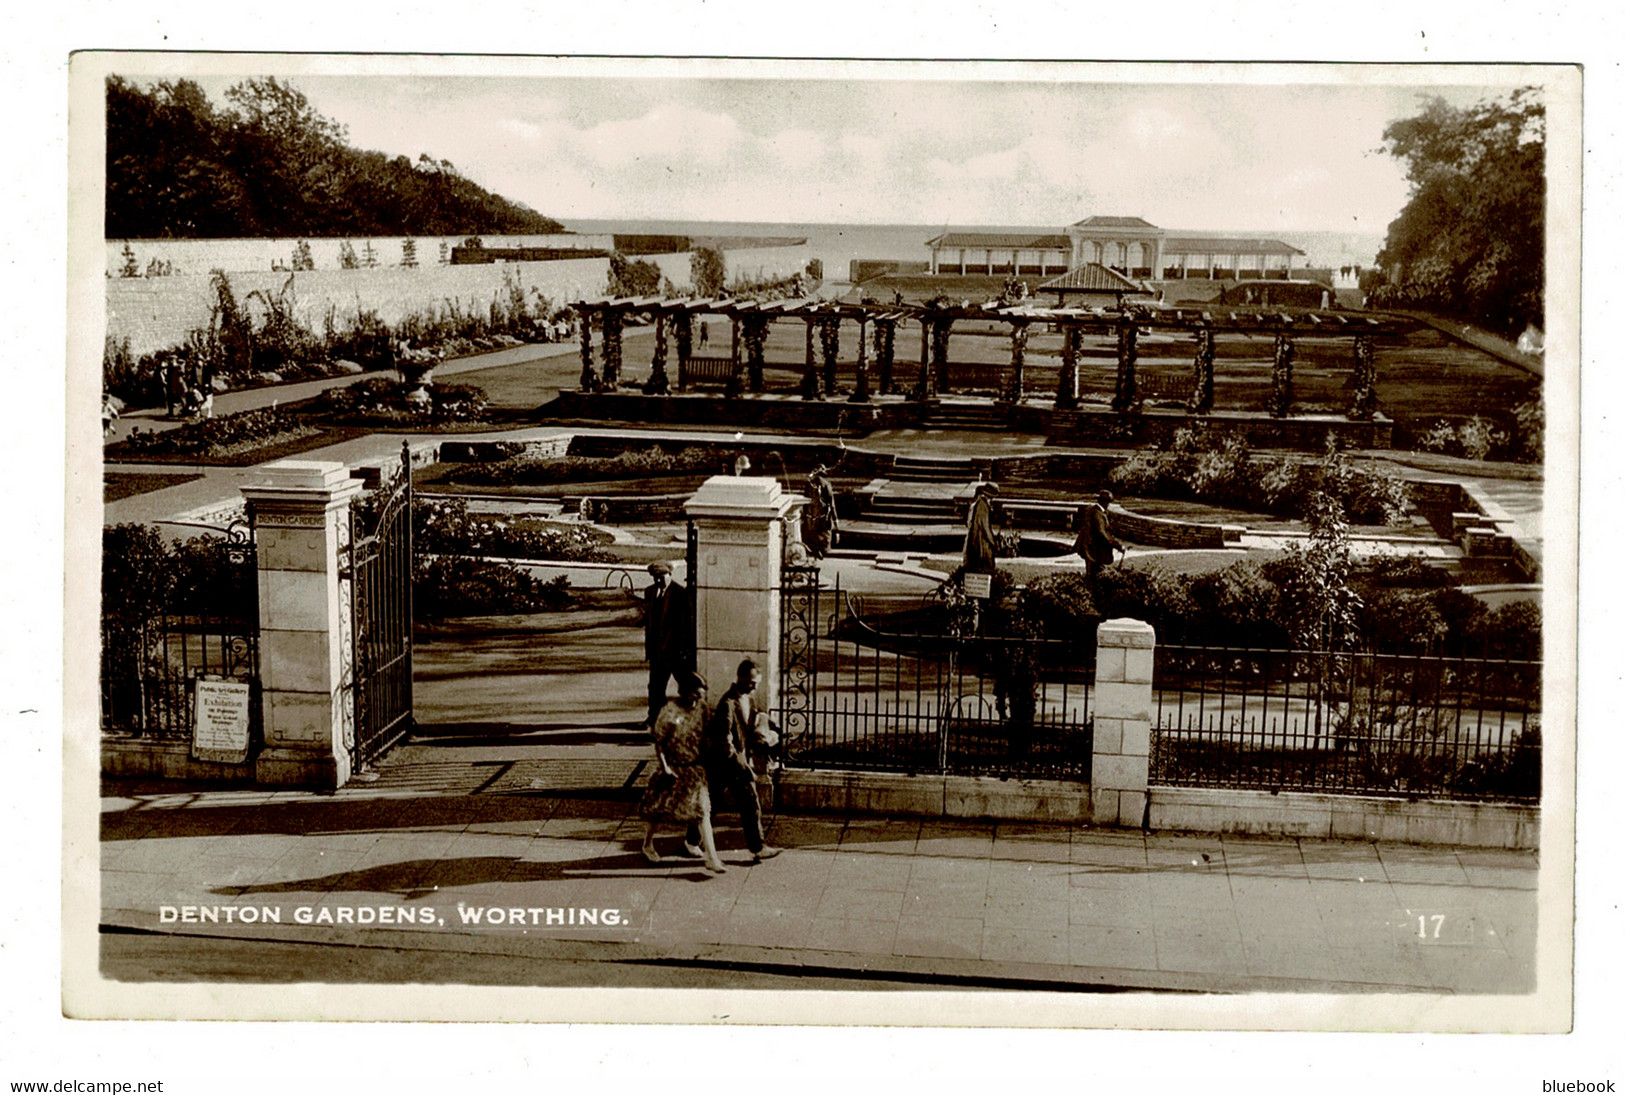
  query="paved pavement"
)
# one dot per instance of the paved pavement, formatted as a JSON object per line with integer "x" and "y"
{"x": 477, "y": 848}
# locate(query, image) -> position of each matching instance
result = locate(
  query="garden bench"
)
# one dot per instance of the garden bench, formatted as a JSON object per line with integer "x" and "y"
{"x": 709, "y": 370}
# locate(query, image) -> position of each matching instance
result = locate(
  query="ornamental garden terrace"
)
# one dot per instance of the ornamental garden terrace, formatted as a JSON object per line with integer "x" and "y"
{"x": 1286, "y": 378}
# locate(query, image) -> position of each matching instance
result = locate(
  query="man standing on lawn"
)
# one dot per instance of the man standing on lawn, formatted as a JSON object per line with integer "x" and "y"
{"x": 668, "y": 635}
{"x": 1096, "y": 542}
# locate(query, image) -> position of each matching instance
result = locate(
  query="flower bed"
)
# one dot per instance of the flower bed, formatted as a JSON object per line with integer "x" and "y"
{"x": 227, "y": 435}
{"x": 527, "y": 470}
{"x": 381, "y": 401}
{"x": 443, "y": 526}
{"x": 1212, "y": 466}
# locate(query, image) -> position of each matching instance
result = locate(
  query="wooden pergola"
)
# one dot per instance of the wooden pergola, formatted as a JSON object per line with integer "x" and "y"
{"x": 741, "y": 370}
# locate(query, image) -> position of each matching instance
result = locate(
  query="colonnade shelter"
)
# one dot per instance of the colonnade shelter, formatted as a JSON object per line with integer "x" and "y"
{"x": 1130, "y": 246}
{"x": 740, "y": 370}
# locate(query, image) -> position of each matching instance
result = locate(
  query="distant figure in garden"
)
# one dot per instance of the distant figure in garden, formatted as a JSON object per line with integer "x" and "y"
{"x": 705, "y": 332}
{"x": 820, "y": 524}
{"x": 175, "y": 388}
{"x": 736, "y": 730}
{"x": 980, "y": 548}
{"x": 677, "y": 792}
{"x": 668, "y": 635}
{"x": 1096, "y": 541}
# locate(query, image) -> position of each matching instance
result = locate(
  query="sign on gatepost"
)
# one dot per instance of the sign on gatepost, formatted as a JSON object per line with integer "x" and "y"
{"x": 979, "y": 586}
{"x": 220, "y": 722}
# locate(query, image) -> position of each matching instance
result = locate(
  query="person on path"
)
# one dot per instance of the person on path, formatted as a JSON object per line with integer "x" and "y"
{"x": 980, "y": 548}
{"x": 822, "y": 525}
{"x": 175, "y": 391}
{"x": 735, "y": 727}
{"x": 1096, "y": 542}
{"x": 678, "y": 792}
{"x": 705, "y": 332}
{"x": 668, "y": 634}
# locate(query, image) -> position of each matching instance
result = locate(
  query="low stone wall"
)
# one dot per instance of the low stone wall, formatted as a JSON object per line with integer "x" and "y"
{"x": 1165, "y": 532}
{"x": 158, "y": 758}
{"x": 895, "y": 794}
{"x": 1345, "y": 817}
{"x": 1307, "y": 433}
{"x": 711, "y": 410}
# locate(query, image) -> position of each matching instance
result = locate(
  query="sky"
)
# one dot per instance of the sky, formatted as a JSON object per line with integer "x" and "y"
{"x": 988, "y": 147}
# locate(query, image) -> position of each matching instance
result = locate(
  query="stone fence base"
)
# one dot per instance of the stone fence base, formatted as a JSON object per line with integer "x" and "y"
{"x": 886, "y": 793}
{"x": 1345, "y": 817}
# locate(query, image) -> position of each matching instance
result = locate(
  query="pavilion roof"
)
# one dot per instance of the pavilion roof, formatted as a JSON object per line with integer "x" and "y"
{"x": 1113, "y": 222}
{"x": 999, "y": 241}
{"x": 1092, "y": 277}
{"x": 1226, "y": 245}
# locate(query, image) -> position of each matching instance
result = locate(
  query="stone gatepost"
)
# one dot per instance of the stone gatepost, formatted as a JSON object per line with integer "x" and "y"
{"x": 299, "y": 516}
{"x": 739, "y": 528}
{"x": 1120, "y": 771}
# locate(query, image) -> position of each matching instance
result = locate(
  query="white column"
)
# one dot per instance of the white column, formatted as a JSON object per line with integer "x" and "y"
{"x": 738, "y": 523}
{"x": 1120, "y": 770}
{"x": 299, "y": 511}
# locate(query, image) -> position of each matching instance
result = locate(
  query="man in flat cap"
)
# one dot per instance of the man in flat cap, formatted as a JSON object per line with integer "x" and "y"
{"x": 668, "y": 634}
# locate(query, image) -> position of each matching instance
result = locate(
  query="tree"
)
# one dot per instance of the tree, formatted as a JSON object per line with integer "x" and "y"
{"x": 1471, "y": 240}
{"x": 707, "y": 272}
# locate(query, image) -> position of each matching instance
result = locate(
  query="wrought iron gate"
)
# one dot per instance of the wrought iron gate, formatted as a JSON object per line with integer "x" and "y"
{"x": 920, "y": 691}
{"x": 380, "y": 573}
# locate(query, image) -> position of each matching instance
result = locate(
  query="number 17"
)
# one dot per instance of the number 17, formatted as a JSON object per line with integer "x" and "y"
{"x": 1422, "y": 925}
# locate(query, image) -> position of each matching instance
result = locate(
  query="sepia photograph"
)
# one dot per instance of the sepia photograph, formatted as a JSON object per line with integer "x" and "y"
{"x": 955, "y": 543}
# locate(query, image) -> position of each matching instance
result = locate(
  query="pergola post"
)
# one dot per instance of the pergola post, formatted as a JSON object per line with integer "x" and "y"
{"x": 1126, "y": 397}
{"x": 1014, "y": 380}
{"x": 1281, "y": 377}
{"x": 754, "y": 329}
{"x": 860, "y": 389}
{"x": 829, "y": 335}
{"x": 735, "y": 382}
{"x": 1066, "y": 388}
{"x": 922, "y": 382}
{"x": 885, "y": 348}
{"x": 589, "y": 375}
{"x": 810, "y": 388}
{"x": 1364, "y": 404}
{"x": 1201, "y": 401}
{"x": 658, "y": 384}
{"x": 612, "y": 348}
{"x": 941, "y": 331}
{"x": 685, "y": 346}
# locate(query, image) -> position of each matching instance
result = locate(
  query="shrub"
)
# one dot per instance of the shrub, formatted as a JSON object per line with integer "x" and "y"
{"x": 456, "y": 586}
{"x": 1236, "y": 606}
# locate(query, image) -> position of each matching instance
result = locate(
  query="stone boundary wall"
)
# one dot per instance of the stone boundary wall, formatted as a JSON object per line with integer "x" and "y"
{"x": 157, "y": 313}
{"x": 256, "y": 255}
{"x": 1345, "y": 817}
{"x": 1306, "y": 433}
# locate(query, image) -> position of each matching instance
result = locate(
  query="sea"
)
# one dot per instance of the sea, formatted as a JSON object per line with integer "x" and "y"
{"x": 838, "y": 244}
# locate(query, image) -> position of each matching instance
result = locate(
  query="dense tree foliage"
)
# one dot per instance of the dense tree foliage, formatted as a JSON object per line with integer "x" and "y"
{"x": 708, "y": 272}
{"x": 268, "y": 164}
{"x": 1471, "y": 241}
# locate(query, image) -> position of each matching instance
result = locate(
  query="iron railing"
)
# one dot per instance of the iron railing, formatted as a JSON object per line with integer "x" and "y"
{"x": 1343, "y": 722}
{"x": 204, "y": 625}
{"x": 909, "y": 692}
